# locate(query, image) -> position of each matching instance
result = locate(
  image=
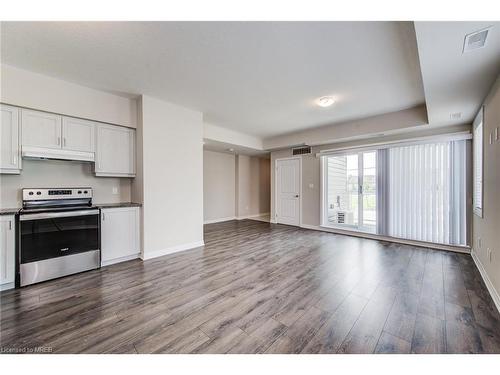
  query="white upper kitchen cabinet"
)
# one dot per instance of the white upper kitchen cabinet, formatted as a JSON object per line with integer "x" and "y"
{"x": 10, "y": 156}
{"x": 7, "y": 251}
{"x": 40, "y": 129}
{"x": 119, "y": 234}
{"x": 78, "y": 135}
{"x": 47, "y": 135}
{"x": 115, "y": 153}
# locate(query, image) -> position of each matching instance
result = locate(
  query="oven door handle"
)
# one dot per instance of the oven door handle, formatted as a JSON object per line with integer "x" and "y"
{"x": 51, "y": 215}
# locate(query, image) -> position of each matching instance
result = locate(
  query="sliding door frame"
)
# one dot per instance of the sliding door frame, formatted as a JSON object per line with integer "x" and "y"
{"x": 324, "y": 191}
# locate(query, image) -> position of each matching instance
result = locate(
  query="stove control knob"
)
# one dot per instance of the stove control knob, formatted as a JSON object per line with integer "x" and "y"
{"x": 38, "y": 193}
{"x": 30, "y": 193}
{"x": 79, "y": 191}
{"x": 85, "y": 192}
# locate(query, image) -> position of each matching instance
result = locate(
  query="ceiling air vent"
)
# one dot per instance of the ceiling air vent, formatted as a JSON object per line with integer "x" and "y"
{"x": 301, "y": 150}
{"x": 475, "y": 40}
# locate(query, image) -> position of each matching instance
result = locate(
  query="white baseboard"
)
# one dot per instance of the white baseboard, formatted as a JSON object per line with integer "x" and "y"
{"x": 171, "y": 250}
{"x": 251, "y": 216}
{"x": 456, "y": 249}
{"x": 119, "y": 260}
{"x": 7, "y": 286}
{"x": 489, "y": 285}
{"x": 220, "y": 220}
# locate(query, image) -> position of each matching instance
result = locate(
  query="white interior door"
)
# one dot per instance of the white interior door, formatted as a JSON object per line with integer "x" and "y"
{"x": 288, "y": 191}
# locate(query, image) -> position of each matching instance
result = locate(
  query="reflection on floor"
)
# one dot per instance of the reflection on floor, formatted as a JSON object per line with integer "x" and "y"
{"x": 263, "y": 288}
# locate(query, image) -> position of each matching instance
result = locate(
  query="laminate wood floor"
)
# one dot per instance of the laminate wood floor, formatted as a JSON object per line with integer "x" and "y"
{"x": 263, "y": 288}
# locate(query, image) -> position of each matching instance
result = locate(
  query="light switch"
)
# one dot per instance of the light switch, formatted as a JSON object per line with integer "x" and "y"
{"x": 115, "y": 190}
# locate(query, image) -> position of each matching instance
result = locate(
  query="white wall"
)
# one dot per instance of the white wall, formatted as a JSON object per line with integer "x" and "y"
{"x": 252, "y": 186}
{"x": 235, "y": 186}
{"x": 400, "y": 121}
{"x": 27, "y": 89}
{"x": 52, "y": 173}
{"x": 172, "y": 177}
{"x": 219, "y": 184}
{"x": 223, "y": 135}
{"x": 311, "y": 169}
{"x": 487, "y": 228}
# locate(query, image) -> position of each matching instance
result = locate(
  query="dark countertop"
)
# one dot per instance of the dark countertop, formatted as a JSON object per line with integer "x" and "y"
{"x": 13, "y": 211}
{"x": 9, "y": 211}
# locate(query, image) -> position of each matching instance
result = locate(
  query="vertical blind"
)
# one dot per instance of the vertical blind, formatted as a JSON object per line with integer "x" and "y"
{"x": 478, "y": 164}
{"x": 427, "y": 192}
{"x": 420, "y": 188}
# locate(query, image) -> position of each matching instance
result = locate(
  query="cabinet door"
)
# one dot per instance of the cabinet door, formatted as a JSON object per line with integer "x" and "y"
{"x": 7, "y": 249}
{"x": 119, "y": 234}
{"x": 78, "y": 135}
{"x": 10, "y": 161}
{"x": 115, "y": 155}
{"x": 40, "y": 129}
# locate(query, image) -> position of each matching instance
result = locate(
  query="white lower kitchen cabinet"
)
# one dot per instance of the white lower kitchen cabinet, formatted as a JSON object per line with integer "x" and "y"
{"x": 120, "y": 235}
{"x": 7, "y": 251}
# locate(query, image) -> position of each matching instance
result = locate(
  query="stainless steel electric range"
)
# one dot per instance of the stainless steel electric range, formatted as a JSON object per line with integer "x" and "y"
{"x": 58, "y": 234}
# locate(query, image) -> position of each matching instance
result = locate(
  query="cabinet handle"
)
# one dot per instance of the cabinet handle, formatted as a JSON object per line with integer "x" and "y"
{"x": 103, "y": 216}
{"x": 10, "y": 224}
{"x": 58, "y": 141}
{"x": 64, "y": 141}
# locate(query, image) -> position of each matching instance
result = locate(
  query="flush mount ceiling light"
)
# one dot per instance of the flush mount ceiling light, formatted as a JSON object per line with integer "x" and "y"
{"x": 325, "y": 101}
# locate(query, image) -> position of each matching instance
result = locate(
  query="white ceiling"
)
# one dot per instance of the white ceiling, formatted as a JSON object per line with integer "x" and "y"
{"x": 260, "y": 78}
{"x": 456, "y": 82}
{"x": 211, "y": 145}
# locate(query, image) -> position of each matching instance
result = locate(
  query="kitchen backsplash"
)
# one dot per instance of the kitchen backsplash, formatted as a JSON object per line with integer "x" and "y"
{"x": 55, "y": 173}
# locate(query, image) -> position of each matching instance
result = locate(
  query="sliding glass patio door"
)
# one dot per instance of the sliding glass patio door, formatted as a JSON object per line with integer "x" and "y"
{"x": 415, "y": 191}
{"x": 352, "y": 191}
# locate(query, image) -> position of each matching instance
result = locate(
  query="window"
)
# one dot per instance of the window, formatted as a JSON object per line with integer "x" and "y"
{"x": 351, "y": 191}
{"x": 477, "y": 146}
{"x": 411, "y": 191}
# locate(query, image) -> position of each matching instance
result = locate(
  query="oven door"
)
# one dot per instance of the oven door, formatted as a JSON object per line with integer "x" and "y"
{"x": 53, "y": 234}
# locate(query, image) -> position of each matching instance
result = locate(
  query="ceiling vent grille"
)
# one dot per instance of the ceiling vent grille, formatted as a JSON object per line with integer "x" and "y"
{"x": 301, "y": 150}
{"x": 475, "y": 40}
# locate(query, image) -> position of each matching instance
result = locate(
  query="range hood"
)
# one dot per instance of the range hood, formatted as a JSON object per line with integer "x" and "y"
{"x": 56, "y": 154}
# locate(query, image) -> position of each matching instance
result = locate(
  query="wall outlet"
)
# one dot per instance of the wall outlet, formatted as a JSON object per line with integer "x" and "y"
{"x": 115, "y": 190}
